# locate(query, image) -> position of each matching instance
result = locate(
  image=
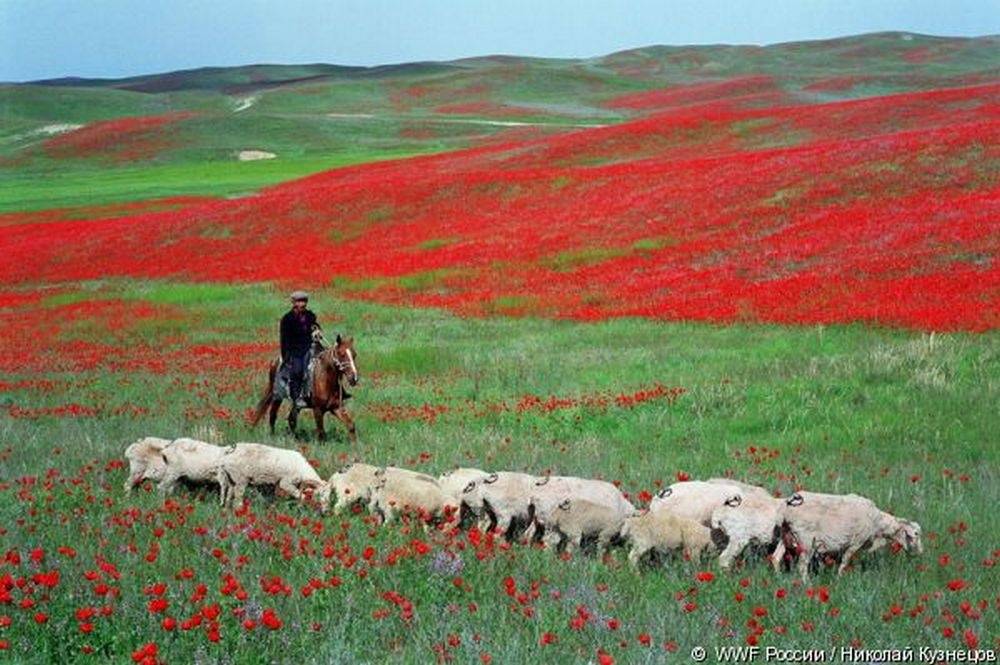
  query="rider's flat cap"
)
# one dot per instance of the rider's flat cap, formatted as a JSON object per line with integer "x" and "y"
{"x": 299, "y": 295}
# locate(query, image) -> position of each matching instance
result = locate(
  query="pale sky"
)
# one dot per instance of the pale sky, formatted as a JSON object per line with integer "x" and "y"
{"x": 114, "y": 38}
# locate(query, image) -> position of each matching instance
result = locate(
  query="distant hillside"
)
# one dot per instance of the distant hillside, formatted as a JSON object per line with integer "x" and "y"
{"x": 884, "y": 56}
{"x": 884, "y": 210}
{"x": 102, "y": 140}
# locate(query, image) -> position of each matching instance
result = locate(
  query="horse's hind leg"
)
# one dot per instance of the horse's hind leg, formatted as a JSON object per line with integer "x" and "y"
{"x": 345, "y": 418}
{"x": 293, "y": 418}
{"x": 275, "y": 405}
{"x": 320, "y": 432}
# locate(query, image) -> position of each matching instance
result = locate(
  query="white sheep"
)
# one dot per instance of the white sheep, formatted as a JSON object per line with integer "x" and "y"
{"x": 145, "y": 461}
{"x": 663, "y": 531}
{"x": 841, "y": 524}
{"x": 356, "y": 482}
{"x": 192, "y": 460}
{"x": 696, "y": 499}
{"x": 550, "y": 491}
{"x": 574, "y": 519}
{"x": 455, "y": 481}
{"x": 746, "y": 519}
{"x": 352, "y": 484}
{"x": 500, "y": 499}
{"x": 256, "y": 464}
{"x": 395, "y": 494}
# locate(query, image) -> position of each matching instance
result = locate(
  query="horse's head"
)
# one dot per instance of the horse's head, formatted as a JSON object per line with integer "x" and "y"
{"x": 346, "y": 359}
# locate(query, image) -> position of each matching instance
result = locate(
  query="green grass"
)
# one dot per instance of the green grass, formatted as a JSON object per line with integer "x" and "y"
{"x": 572, "y": 259}
{"x": 438, "y": 243}
{"x": 847, "y": 408}
{"x": 24, "y": 191}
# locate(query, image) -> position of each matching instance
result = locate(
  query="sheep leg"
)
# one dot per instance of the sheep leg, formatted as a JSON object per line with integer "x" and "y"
{"x": 805, "y": 558}
{"x": 529, "y": 534}
{"x": 168, "y": 482}
{"x": 778, "y": 555}
{"x": 220, "y": 477}
{"x": 239, "y": 488}
{"x": 503, "y": 524}
{"x": 573, "y": 542}
{"x": 731, "y": 552}
{"x": 604, "y": 541}
{"x": 388, "y": 512}
{"x": 288, "y": 486}
{"x": 551, "y": 539}
{"x": 851, "y": 551}
{"x": 132, "y": 480}
{"x": 635, "y": 555}
{"x": 695, "y": 552}
{"x": 483, "y": 523}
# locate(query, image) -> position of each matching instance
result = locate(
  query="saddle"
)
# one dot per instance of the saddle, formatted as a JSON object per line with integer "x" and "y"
{"x": 282, "y": 380}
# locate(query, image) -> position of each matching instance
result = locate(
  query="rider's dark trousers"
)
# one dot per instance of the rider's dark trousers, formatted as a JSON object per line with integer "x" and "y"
{"x": 296, "y": 371}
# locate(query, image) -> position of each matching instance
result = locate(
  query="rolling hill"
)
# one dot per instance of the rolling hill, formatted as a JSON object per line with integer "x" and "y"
{"x": 723, "y": 183}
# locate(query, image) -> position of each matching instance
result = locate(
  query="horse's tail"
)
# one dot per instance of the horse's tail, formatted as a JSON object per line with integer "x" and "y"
{"x": 266, "y": 398}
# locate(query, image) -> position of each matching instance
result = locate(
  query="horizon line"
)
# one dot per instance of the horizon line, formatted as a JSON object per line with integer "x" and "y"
{"x": 71, "y": 77}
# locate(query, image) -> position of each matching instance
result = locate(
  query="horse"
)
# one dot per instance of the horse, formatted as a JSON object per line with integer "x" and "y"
{"x": 331, "y": 367}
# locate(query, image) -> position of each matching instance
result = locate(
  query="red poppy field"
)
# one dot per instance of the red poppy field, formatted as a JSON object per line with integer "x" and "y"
{"x": 880, "y": 210}
{"x": 789, "y": 288}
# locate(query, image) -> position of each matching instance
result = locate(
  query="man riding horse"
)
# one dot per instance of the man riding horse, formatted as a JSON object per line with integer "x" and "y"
{"x": 296, "y": 340}
{"x": 309, "y": 360}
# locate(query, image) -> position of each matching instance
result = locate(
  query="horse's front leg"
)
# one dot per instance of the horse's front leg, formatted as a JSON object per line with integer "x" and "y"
{"x": 345, "y": 418}
{"x": 293, "y": 418}
{"x": 318, "y": 414}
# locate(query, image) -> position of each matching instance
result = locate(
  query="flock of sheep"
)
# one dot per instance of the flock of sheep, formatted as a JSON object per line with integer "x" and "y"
{"x": 689, "y": 516}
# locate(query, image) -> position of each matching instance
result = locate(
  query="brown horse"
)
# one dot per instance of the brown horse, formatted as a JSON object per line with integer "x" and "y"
{"x": 331, "y": 368}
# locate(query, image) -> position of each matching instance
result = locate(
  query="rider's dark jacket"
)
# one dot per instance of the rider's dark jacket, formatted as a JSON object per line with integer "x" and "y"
{"x": 296, "y": 333}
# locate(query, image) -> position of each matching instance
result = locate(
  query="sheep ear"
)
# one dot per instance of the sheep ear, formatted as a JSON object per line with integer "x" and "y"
{"x": 794, "y": 500}
{"x": 564, "y": 505}
{"x": 340, "y": 340}
{"x": 468, "y": 488}
{"x": 492, "y": 478}
{"x": 665, "y": 492}
{"x": 734, "y": 501}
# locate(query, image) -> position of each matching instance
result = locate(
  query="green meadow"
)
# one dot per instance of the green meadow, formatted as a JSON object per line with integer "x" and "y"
{"x": 905, "y": 418}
